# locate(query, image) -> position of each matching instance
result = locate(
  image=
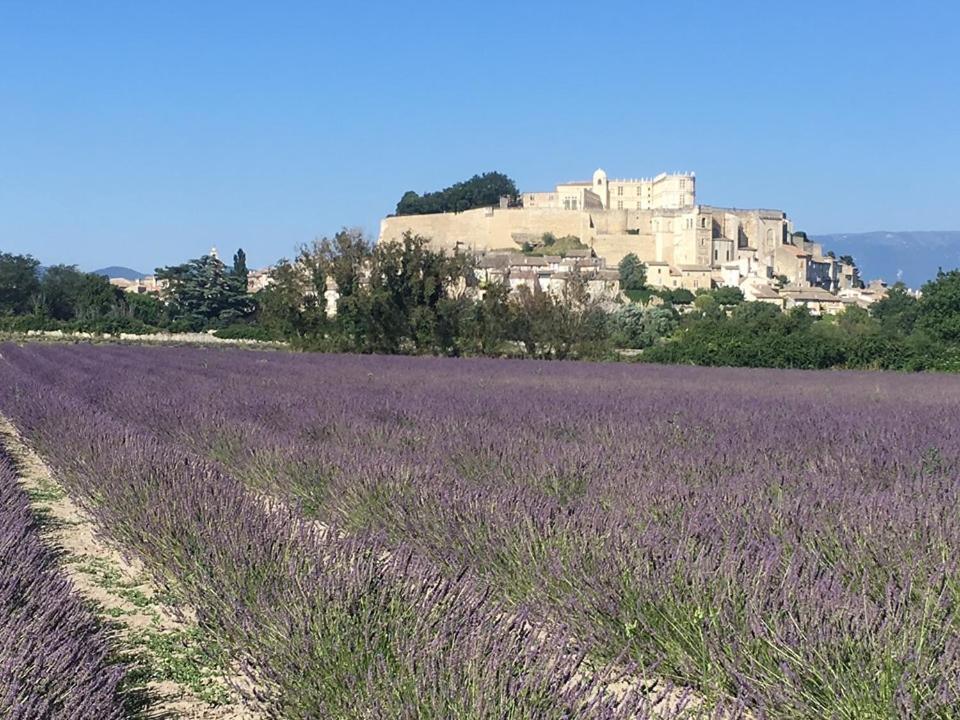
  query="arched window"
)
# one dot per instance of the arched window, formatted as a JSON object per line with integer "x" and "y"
{"x": 769, "y": 235}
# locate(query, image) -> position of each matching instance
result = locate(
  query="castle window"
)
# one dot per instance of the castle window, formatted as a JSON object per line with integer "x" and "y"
{"x": 703, "y": 222}
{"x": 619, "y": 189}
{"x": 716, "y": 254}
{"x": 619, "y": 204}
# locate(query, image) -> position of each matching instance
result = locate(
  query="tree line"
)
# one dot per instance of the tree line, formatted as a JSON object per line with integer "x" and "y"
{"x": 346, "y": 294}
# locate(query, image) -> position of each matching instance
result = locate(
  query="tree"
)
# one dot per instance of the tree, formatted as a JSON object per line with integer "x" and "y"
{"x": 939, "y": 310}
{"x": 201, "y": 293}
{"x": 638, "y": 327}
{"x": 148, "y": 309}
{"x": 677, "y": 296}
{"x": 633, "y": 273}
{"x": 19, "y": 284}
{"x": 728, "y": 295}
{"x": 479, "y": 191}
{"x": 240, "y": 271}
{"x": 484, "y": 324}
{"x": 59, "y": 290}
{"x": 897, "y": 311}
{"x": 66, "y": 293}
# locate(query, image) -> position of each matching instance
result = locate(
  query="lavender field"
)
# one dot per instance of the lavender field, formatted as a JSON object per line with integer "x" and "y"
{"x": 432, "y": 538}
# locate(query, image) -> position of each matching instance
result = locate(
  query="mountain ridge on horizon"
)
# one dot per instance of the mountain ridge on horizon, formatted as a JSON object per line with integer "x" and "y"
{"x": 911, "y": 256}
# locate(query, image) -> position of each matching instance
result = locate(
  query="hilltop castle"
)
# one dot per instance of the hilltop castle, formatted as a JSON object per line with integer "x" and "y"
{"x": 682, "y": 243}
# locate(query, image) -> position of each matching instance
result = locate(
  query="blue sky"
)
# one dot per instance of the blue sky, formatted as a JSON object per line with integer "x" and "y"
{"x": 142, "y": 133}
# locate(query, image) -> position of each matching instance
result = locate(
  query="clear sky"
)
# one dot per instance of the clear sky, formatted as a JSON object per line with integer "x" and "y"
{"x": 143, "y": 133}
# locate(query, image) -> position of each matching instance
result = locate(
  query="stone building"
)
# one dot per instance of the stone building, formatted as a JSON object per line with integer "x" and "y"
{"x": 683, "y": 243}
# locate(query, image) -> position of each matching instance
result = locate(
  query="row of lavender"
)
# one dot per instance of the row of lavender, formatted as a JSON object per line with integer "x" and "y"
{"x": 55, "y": 660}
{"x": 787, "y": 539}
{"x": 321, "y": 625}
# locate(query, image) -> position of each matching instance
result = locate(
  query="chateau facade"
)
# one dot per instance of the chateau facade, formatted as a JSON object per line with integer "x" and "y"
{"x": 683, "y": 244}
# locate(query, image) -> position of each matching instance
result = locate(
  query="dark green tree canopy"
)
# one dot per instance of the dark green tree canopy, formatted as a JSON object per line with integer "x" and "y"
{"x": 897, "y": 312}
{"x": 204, "y": 292}
{"x": 479, "y": 191}
{"x": 66, "y": 293}
{"x": 633, "y": 273}
{"x": 19, "y": 284}
{"x": 939, "y": 308}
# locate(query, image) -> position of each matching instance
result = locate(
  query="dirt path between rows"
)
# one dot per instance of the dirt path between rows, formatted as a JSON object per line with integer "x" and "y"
{"x": 180, "y": 684}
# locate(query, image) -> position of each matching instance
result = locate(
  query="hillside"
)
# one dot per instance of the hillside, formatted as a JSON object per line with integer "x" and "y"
{"x": 911, "y": 256}
{"x": 117, "y": 271}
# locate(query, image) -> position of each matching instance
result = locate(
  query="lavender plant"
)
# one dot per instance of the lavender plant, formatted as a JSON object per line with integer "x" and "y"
{"x": 783, "y": 541}
{"x": 56, "y": 662}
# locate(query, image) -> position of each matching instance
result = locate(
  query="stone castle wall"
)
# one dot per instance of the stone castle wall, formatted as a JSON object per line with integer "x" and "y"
{"x": 486, "y": 229}
{"x": 679, "y": 237}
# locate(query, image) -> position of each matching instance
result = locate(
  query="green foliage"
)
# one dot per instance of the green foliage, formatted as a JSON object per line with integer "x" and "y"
{"x": 727, "y": 295}
{"x": 69, "y": 294}
{"x": 147, "y": 309}
{"x": 639, "y": 296}
{"x": 19, "y": 284}
{"x": 633, "y": 273}
{"x": 203, "y": 293}
{"x": 676, "y": 296}
{"x": 240, "y": 271}
{"x": 939, "y": 309}
{"x": 247, "y": 331}
{"x": 759, "y": 335}
{"x": 570, "y": 324}
{"x": 479, "y": 191}
{"x": 550, "y": 244}
{"x": 638, "y": 327}
{"x": 897, "y": 312}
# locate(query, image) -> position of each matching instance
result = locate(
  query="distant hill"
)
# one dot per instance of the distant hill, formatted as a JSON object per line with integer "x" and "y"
{"x": 911, "y": 256}
{"x": 115, "y": 271}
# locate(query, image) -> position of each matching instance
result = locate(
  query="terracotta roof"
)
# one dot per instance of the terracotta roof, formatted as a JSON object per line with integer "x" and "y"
{"x": 764, "y": 291}
{"x": 812, "y": 293}
{"x": 694, "y": 268}
{"x": 793, "y": 250}
{"x": 523, "y": 275}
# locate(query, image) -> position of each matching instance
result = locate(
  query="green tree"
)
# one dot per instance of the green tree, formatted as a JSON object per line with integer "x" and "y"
{"x": 938, "y": 312}
{"x": 66, "y": 294}
{"x": 290, "y": 306}
{"x": 638, "y": 327}
{"x": 897, "y": 311}
{"x": 633, "y": 273}
{"x": 146, "y": 308}
{"x": 485, "y": 323}
{"x": 19, "y": 284}
{"x": 240, "y": 271}
{"x": 479, "y": 191}
{"x": 677, "y": 296}
{"x": 202, "y": 293}
{"x": 728, "y": 296}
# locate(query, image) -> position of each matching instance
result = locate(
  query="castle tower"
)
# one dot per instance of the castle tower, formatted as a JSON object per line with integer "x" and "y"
{"x": 600, "y": 187}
